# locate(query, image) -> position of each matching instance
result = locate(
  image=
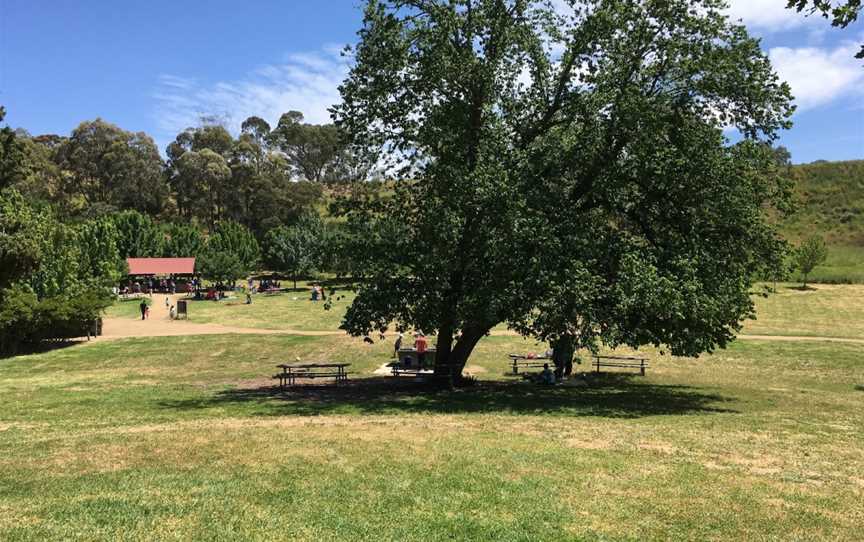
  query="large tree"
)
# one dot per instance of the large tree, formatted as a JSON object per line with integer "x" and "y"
{"x": 564, "y": 170}
{"x": 111, "y": 168}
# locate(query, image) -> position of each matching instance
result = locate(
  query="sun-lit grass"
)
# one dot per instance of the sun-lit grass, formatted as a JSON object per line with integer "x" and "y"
{"x": 845, "y": 265}
{"x": 822, "y": 311}
{"x": 174, "y": 438}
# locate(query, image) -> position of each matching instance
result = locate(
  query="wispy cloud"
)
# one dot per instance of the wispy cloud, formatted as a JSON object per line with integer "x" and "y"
{"x": 306, "y": 82}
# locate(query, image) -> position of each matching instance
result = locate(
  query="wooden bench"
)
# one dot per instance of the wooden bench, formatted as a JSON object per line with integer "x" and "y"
{"x": 518, "y": 360}
{"x": 627, "y": 362}
{"x": 290, "y": 373}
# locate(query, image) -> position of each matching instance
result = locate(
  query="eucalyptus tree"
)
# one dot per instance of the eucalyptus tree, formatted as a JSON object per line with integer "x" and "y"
{"x": 109, "y": 167}
{"x": 564, "y": 170}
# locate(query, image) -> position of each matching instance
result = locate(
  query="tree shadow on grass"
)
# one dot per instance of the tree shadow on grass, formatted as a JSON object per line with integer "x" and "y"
{"x": 609, "y": 395}
{"x": 42, "y": 347}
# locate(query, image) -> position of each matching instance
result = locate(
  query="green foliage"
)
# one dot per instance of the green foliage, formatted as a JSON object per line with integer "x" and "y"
{"x": 12, "y": 157}
{"x": 100, "y": 253}
{"x": 138, "y": 235}
{"x": 811, "y": 253}
{"x": 111, "y": 168}
{"x": 234, "y": 238}
{"x": 203, "y": 181}
{"x": 298, "y": 249}
{"x": 54, "y": 278}
{"x": 603, "y": 180}
{"x": 22, "y": 231}
{"x": 182, "y": 241}
{"x": 223, "y": 267}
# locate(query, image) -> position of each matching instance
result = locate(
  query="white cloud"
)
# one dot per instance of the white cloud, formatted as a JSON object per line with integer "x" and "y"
{"x": 768, "y": 15}
{"x": 818, "y": 76}
{"x": 306, "y": 82}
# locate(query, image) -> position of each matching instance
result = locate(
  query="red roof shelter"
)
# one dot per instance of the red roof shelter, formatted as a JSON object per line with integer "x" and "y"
{"x": 161, "y": 266}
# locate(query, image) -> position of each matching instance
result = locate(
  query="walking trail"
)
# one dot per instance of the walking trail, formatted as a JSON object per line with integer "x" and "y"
{"x": 160, "y": 325}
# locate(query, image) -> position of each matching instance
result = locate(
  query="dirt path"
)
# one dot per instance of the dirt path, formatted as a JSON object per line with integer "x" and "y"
{"x": 160, "y": 325}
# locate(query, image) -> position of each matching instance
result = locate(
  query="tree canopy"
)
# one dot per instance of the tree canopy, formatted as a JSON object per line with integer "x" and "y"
{"x": 565, "y": 170}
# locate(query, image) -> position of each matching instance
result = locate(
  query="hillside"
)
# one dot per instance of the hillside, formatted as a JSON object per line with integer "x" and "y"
{"x": 830, "y": 198}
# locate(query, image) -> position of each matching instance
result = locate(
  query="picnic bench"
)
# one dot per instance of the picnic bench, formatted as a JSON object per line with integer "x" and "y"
{"x": 291, "y": 372}
{"x": 627, "y": 362}
{"x": 519, "y": 360}
{"x": 270, "y": 291}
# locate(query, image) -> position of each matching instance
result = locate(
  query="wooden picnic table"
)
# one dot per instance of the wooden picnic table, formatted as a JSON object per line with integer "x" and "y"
{"x": 520, "y": 360}
{"x": 628, "y": 362}
{"x": 291, "y": 372}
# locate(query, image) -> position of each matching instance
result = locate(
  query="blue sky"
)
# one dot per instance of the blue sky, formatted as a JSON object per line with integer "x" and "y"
{"x": 156, "y": 66}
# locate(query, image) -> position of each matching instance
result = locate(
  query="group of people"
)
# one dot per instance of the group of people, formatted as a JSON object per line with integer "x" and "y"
{"x": 421, "y": 346}
{"x": 149, "y": 287}
{"x": 265, "y": 285}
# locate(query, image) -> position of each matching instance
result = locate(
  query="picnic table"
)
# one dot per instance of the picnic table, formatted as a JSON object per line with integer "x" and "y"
{"x": 520, "y": 360}
{"x": 270, "y": 291}
{"x": 291, "y": 372}
{"x": 629, "y": 362}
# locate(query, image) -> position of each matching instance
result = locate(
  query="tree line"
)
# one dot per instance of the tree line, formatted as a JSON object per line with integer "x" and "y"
{"x": 73, "y": 208}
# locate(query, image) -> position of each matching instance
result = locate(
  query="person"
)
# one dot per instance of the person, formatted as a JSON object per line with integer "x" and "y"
{"x": 397, "y": 345}
{"x": 147, "y": 312}
{"x": 172, "y": 313}
{"x": 420, "y": 346}
{"x": 143, "y": 307}
{"x": 315, "y": 294}
{"x": 547, "y": 377}
{"x": 248, "y": 298}
{"x": 562, "y": 355}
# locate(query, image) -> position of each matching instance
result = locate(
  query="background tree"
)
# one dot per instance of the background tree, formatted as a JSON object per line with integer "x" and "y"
{"x": 138, "y": 235}
{"x": 203, "y": 179}
{"x": 110, "y": 168}
{"x": 221, "y": 267}
{"x": 312, "y": 150}
{"x": 809, "y": 255}
{"x": 563, "y": 152}
{"x": 181, "y": 241}
{"x": 841, "y": 14}
{"x": 53, "y": 277}
{"x": 233, "y": 238}
{"x": 12, "y": 158}
{"x": 296, "y": 250}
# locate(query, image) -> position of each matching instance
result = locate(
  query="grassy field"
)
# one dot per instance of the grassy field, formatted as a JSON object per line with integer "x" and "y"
{"x": 184, "y": 438}
{"x": 823, "y": 311}
{"x": 845, "y": 265}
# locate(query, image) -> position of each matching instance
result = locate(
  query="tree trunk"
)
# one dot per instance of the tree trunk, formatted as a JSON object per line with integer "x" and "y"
{"x": 456, "y": 359}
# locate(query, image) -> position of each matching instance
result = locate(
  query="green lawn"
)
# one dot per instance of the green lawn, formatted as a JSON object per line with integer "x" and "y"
{"x": 845, "y": 265}
{"x": 176, "y": 438}
{"x": 290, "y": 310}
{"x": 823, "y": 311}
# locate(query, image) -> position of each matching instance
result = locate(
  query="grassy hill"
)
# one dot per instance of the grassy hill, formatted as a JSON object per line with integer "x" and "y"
{"x": 830, "y": 197}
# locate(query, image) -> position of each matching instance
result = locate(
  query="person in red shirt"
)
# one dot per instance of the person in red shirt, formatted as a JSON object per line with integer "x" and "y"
{"x": 420, "y": 346}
